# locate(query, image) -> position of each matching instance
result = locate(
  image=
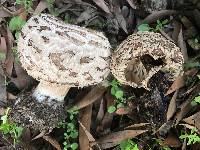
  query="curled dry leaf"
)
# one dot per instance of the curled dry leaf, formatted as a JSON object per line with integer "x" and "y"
{"x": 89, "y": 135}
{"x": 9, "y": 56}
{"x": 88, "y": 14}
{"x": 102, "y": 5}
{"x": 4, "y": 13}
{"x": 185, "y": 108}
{"x": 105, "y": 124}
{"x": 193, "y": 120}
{"x": 158, "y": 15}
{"x": 197, "y": 120}
{"x": 187, "y": 126}
{"x": 137, "y": 125}
{"x": 164, "y": 129}
{"x": 3, "y": 94}
{"x": 40, "y": 7}
{"x": 176, "y": 31}
{"x": 172, "y": 106}
{"x": 85, "y": 118}
{"x": 3, "y": 47}
{"x": 52, "y": 141}
{"x": 91, "y": 97}
{"x": 177, "y": 84}
{"x": 101, "y": 112}
{"x": 131, "y": 3}
{"x": 171, "y": 141}
{"x": 120, "y": 18}
{"x": 23, "y": 80}
{"x": 182, "y": 45}
{"x": 115, "y": 138}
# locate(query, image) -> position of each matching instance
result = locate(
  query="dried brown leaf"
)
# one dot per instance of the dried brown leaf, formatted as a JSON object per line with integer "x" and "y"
{"x": 41, "y": 134}
{"x": 172, "y": 106}
{"x": 177, "y": 84}
{"x": 85, "y": 118}
{"x": 171, "y": 141}
{"x": 120, "y": 18}
{"x": 165, "y": 35}
{"x": 91, "y": 97}
{"x": 101, "y": 112}
{"x": 2, "y": 110}
{"x": 52, "y": 141}
{"x": 182, "y": 45}
{"x": 2, "y": 89}
{"x": 137, "y": 125}
{"x": 89, "y": 135}
{"x": 87, "y": 15}
{"x": 164, "y": 129}
{"x": 40, "y": 7}
{"x": 197, "y": 120}
{"x": 187, "y": 126}
{"x": 189, "y": 120}
{"x": 22, "y": 80}
{"x": 4, "y": 13}
{"x": 102, "y": 5}
{"x": 185, "y": 108}
{"x": 106, "y": 123}
{"x": 9, "y": 56}
{"x": 176, "y": 31}
{"x": 3, "y": 47}
{"x": 3, "y": 94}
{"x": 131, "y": 3}
{"x": 158, "y": 15}
{"x": 115, "y": 138}
{"x": 123, "y": 111}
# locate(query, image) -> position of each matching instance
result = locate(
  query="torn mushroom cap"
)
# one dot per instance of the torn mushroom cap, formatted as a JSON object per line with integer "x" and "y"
{"x": 142, "y": 55}
{"x": 52, "y": 51}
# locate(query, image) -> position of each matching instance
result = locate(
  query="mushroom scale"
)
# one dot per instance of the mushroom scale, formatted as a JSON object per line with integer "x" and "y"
{"x": 142, "y": 55}
{"x": 55, "y": 52}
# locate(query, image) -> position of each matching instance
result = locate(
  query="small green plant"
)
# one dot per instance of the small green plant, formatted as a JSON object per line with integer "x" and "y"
{"x": 197, "y": 99}
{"x": 26, "y": 3}
{"x": 15, "y": 24}
{"x": 128, "y": 145}
{"x": 119, "y": 95}
{"x": 194, "y": 43}
{"x": 159, "y": 25}
{"x": 51, "y": 8}
{"x": 117, "y": 91}
{"x": 71, "y": 131}
{"x": 192, "y": 137}
{"x": 160, "y": 142}
{"x": 10, "y": 128}
{"x": 144, "y": 27}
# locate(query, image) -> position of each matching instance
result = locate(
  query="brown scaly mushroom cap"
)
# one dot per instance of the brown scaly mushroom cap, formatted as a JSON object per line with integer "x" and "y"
{"x": 60, "y": 56}
{"x": 54, "y": 52}
{"x": 142, "y": 55}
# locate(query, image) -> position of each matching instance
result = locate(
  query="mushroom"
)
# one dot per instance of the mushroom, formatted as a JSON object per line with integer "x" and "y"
{"x": 142, "y": 55}
{"x": 60, "y": 56}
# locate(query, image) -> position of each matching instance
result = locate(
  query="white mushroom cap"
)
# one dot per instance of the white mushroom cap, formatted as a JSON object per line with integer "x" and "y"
{"x": 129, "y": 63}
{"x": 52, "y": 51}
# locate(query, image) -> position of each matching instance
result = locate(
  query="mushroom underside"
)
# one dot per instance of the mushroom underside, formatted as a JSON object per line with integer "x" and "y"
{"x": 138, "y": 68}
{"x": 30, "y": 113}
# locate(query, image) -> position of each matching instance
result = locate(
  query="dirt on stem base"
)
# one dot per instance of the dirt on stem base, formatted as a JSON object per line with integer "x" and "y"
{"x": 30, "y": 113}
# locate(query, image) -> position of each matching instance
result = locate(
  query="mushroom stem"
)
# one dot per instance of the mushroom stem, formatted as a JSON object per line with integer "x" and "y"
{"x": 46, "y": 91}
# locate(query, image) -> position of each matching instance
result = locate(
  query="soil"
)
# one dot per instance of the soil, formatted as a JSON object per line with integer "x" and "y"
{"x": 33, "y": 114}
